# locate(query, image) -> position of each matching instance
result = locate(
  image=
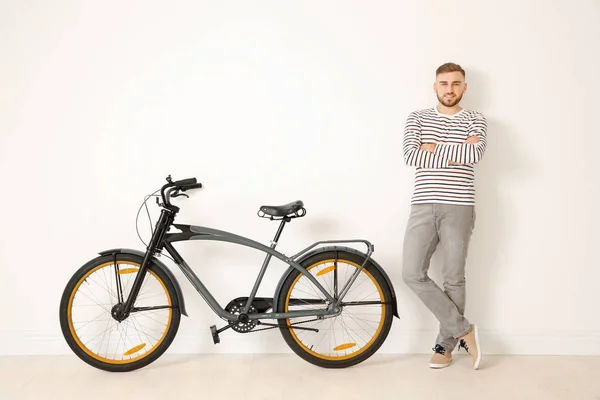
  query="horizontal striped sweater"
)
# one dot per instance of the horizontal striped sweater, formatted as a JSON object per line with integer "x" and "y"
{"x": 436, "y": 180}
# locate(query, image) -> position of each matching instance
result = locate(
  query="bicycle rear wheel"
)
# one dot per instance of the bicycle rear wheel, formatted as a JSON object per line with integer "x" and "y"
{"x": 99, "y": 339}
{"x": 361, "y": 328}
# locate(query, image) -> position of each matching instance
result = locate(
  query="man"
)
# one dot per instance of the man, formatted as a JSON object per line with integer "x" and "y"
{"x": 444, "y": 143}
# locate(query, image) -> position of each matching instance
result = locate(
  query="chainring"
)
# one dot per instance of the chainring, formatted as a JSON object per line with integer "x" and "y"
{"x": 236, "y": 307}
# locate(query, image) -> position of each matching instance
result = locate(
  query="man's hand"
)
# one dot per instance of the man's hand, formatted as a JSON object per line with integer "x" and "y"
{"x": 430, "y": 147}
{"x": 472, "y": 140}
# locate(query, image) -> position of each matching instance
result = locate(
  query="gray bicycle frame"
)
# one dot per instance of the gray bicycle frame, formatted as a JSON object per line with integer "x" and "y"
{"x": 193, "y": 232}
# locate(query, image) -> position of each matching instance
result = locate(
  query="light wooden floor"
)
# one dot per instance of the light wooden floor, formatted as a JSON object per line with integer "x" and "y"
{"x": 285, "y": 376}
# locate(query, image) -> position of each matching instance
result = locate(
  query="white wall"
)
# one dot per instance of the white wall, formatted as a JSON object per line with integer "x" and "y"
{"x": 268, "y": 102}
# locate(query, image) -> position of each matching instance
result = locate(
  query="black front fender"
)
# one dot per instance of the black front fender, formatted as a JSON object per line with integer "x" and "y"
{"x": 343, "y": 249}
{"x": 159, "y": 264}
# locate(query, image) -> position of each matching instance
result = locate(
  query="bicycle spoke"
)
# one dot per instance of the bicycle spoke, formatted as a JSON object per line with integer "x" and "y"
{"x": 359, "y": 322}
{"x": 106, "y": 338}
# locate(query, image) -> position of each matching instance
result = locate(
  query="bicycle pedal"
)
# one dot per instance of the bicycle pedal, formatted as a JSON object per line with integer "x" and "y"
{"x": 215, "y": 334}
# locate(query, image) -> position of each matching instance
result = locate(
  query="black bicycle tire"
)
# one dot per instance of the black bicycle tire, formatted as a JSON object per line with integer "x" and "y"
{"x": 126, "y": 367}
{"x": 388, "y": 319}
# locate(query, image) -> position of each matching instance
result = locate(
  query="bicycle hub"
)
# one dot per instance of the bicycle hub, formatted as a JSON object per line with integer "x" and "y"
{"x": 118, "y": 313}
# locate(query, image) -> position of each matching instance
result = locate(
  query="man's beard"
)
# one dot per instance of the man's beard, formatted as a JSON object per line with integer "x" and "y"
{"x": 450, "y": 102}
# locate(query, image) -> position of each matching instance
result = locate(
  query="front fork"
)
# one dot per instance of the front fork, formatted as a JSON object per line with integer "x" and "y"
{"x": 124, "y": 307}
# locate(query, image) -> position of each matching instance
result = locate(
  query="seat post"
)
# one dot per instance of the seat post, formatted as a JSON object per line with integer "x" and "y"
{"x": 279, "y": 230}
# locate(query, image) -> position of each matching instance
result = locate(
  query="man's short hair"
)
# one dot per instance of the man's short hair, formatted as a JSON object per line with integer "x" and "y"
{"x": 450, "y": 67}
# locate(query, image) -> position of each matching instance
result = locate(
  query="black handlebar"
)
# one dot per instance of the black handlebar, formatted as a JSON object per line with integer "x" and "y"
{"x": 182, "y": 185}
{"x": 193, "y": 186}
{"x": 185, "y": 182}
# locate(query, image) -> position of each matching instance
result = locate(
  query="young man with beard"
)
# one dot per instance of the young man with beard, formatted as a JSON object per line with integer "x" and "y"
{"x": 443, "y": 143}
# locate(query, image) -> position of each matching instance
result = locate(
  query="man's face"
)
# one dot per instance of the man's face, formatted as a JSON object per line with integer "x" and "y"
{"x": 449, "y": 88}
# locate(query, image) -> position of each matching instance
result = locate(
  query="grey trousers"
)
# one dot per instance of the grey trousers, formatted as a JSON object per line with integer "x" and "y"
{"x": 451, "y": 227}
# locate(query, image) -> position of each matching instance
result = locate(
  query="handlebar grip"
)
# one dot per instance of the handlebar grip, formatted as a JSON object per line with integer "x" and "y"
{"x": 194, "y": 186}
{"x": 185, "y": 182}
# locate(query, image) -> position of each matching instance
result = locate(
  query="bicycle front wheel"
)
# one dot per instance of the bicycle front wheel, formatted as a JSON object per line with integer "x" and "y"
{"x": 354, "y": 335}
{"x": 93, "y": 332}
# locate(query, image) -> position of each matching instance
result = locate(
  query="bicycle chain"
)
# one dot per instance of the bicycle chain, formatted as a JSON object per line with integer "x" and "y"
{"x": 282, "y": 326}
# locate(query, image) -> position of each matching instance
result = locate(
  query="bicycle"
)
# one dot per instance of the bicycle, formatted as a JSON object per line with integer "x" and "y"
{"x": 139, "y": 292}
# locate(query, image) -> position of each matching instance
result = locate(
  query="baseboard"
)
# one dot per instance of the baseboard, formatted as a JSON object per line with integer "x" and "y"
{"x": 585, "y": 343}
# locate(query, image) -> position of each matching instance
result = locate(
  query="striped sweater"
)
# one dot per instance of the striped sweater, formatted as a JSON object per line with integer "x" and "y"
{"x": 436, "y": 180}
